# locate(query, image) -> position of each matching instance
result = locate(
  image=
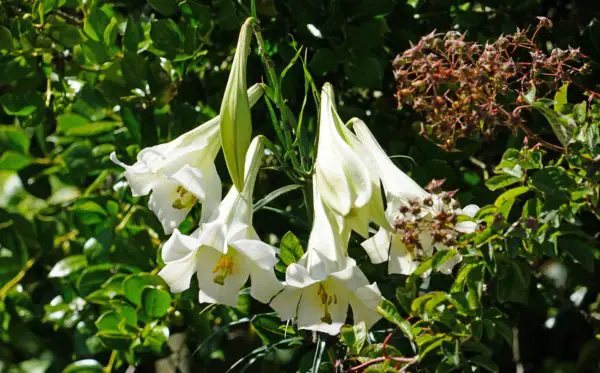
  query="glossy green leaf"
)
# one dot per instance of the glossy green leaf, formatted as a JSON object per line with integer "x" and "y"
{"x": 391, "y": 314}
{"x": 501, "y": 181}
{"x": 6, "y": 39}
{"x": 68, "y": 265}
{"x": 155, "y": 301}
{"x": 84, "y": 366}
{"x": 165, "y": 7}
{"x": 134, "y": 284}
{"x": 290, "y": 249}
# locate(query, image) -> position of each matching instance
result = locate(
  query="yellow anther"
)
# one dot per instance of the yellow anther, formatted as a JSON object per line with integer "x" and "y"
{"x": 223, "y": 269}
{"x": 186, "y": 199}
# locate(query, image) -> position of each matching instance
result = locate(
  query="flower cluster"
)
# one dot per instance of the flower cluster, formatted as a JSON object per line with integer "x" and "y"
{"x": 459, "y": 86}
{"x": 225, "y": 252}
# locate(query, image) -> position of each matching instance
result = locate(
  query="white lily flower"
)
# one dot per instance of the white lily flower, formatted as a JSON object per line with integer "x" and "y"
{"x": 225, "y": 251}
{"x": 325, "y": 281}
{"x": 344, "y": 171}
{"x": 236, "y": 125}
{"x": 181, "y": 172}
{"x": 423, "y": 222}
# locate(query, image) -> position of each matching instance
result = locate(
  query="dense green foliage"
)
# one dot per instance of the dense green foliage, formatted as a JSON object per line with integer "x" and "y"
{"x": 79, "y": 255}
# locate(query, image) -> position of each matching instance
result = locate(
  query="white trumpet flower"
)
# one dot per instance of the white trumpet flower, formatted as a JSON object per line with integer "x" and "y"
{"x": 225, "y": 251}
{"x": 325, "y": 281}
{"x": 423, "y": 222}
{"x": 348, "y": 183}
{"x": 181, "y": 172}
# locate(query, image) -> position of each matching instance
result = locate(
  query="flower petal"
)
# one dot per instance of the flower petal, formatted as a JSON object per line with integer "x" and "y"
{"x": 264, "y": 284}
{"x": 363, "y": 302}
{"x": 286, "y": 302}
{"x": 179, "y": 255}
{"x": 139, "y": 178}
{"x": 378, "y": 246}
{"x": 312, "y": 315}
{"x": 298, "y": 277}
{"x": 178, "y": 274}
{"x": 395, "y": 182}
{"x": 212, "y": 292}
{"x": 179, "y": 246}
{"x": 401, "y": 260}
{"x": 161, "y": 203}
{"x": 343, "y": 178}
{"x": 203, "y": 183}
{"x": 470, "y": 210}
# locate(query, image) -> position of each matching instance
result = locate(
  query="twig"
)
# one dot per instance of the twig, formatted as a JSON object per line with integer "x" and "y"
{"x": 111, "y": 361}
{"x": 15, "y": 280}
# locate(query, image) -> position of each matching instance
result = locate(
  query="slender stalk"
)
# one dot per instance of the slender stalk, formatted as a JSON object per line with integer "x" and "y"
{"x": 19, "y": 276}
{"x": 111, "y": 361}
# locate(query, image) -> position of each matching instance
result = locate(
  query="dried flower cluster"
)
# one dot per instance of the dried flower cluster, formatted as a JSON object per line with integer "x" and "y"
{"x": 430, "y": 224}
{"x": 460, "y": 86}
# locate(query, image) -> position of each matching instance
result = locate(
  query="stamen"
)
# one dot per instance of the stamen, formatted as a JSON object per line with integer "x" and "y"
{"x": 326, "y": 300}
{"x": 186, "y": 199}
{"x": 223, "y": 269}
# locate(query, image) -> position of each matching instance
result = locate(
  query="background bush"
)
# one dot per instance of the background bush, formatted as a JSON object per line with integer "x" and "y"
{"x": 78, "y": 254}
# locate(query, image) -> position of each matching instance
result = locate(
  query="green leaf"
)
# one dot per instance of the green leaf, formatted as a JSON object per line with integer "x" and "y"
{"x": 135, "y": 70}
{"x": 109, "y": 35}
{"x": 560, "y": 99}
{"x": 553, "y": 181}
{"x": 165, "y": 7}
{"x": 93, "y": 277}
{"x": 68, "y": 265}
{"x": 391, "y": 314}
{"x": 66, "y": 122}
{"x": 12, "y": 161}
{"x": 580, "y": 251}
{"x": 506, "y": 200}
{"x": 442, "y": 257}
{"x": 21, "y": 104}
{"x": 430, "y": 343}
{"x": 290, "y": 249}
{"x": 324, "y": 60}
{"x": 270, "y": 329}
{"x": 96, "y": 22}
{"x": 89, "y": 212}
{"x": 529, "y": 97}
{"x": 504, "y": 330}
{"x": 364, "y": 72}
{"x": 94, "y": 53}
{"x": 562, "y": 125}
{"x": 110, "y": 321}
{"x": 354, "y": 337}
{"x": 115, "y": 340}
{"x": 275, "y": 194}
{"x": 134, "y": 284}
{"x": 131, "y": 39}
{"x": 484, "y": 362}
{"x": 6, "y": 39}
{"x": 513, "y": 282}
{"x": 423, "y": 267}
{"x": 155, "y": 301}
{"x": 65, "y": 34}
{"x": 166, "y": 37}
{"x": 501, "y": 181}
{"x": 157, "y": 338}
{"x": 13, "y": 138}
{"x": 93, "y": 129}
{"x": 84, "y": 366}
